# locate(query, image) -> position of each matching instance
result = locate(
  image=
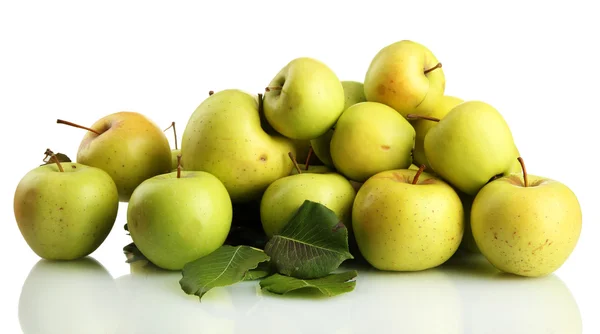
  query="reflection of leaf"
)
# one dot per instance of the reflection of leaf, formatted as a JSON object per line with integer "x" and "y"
{"x": 60, "y": 156}
{"x": 312, "y": 244}
{"x": 330, "y": 285}
{"x": 225, "y": 266}
{"x": 133, "y": 254}
{"x": 264, "y": 269}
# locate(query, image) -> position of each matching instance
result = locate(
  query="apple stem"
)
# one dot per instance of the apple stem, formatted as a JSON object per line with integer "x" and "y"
{"x": 179, "y": 166}
{"x": 211, "y": 92}
{"x": 60, "y": 121}
{"x": 174, "y": 132}
{"x": 524, "y": 171}
{"x": 308, "y": 156}
{"x": 268, "y": 89}
{"x": 51, "y": 154}
{"x": 428, "y": 118}
{"x": 439, "y": 65}
{"x": 295, "y": 162}
{"x": 416, "y": 178}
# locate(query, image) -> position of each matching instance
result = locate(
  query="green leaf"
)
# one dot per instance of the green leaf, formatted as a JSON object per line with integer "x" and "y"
{"x": 264, "y": 269}
{"x": 311, "y": 245}
{"x": 331, "y": 285}
{"x": 61, "y": 158}
{"x": 225, "y": 266}
{"x": 133, "y": 254}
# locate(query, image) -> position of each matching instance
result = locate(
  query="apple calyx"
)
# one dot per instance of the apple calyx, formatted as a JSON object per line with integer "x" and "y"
{"x": 51, "y": 155}
{"x": 525, "y": 183}
{"x": 416, "y": 178}
{"x": 174, "y": 132}
{"x": 295, "y": 162}
{"x": 428, "y": 118}
{"x": 307, "y": 162}
{"x": 438, "y": 65}
{"x": 268, "y": 89}
{"x": 60, "y": 121}
{"x": 211, "y": 92}
{"x": 179, "y": 166}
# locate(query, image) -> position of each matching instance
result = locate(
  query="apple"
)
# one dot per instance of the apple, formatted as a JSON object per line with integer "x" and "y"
{"x": 406, "y": 220}
{"x": 304, "y": 100}
{"x": 178, "y": 217}
{"x": 526, "y": 225}
{"x": 224, "y": 137}
{"x": 371, "y": 137}
{"x": 128, "y": 146}
{"x": 469, "y": 146}
{"x": 65, "y": 211}
{"x": 406, "y": 76}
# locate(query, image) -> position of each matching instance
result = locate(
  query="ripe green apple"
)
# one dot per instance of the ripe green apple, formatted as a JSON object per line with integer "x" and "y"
{"x": 402, "y": 226}
{"x": 65, "y": 215}
{"x": 304, "y": 99}
{"x": 406, "y": 76}
{"x": 224, "y": 137}
{"x": 371, "y": 137}
{"x": 470, "y": 145}
{"x": 175, "y": 219}
{"x": 422, "y": 126}
{"x": 283, "y": 197}
{"x": 128, "y": 146}
{"x": 354, "y": 93}
{"x": 526, "y": 225}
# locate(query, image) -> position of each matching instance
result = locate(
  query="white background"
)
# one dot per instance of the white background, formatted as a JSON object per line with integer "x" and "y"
{"x": 537, "y": 64}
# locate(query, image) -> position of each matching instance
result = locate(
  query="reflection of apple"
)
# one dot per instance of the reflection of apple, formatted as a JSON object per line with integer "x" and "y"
{"x": 78, "y": 296}
{"x": 502, "y": 303}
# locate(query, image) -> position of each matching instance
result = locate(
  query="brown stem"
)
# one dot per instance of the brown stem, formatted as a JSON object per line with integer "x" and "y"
{"x": 211, "y": 92}
{"x": 174, "y": 132}
{"x": 428, "y": 118}
{"x": 268, "y": 89}
{"x": 52, "y": 156}
{"x": 439, "y": 65}
{"x": 307, "y": 162}
{"x": 179, "y": 166}
{"x": 295, "y": 162}
{"x": 524, "y": 171}
{"x": 60, "y": 121}
{"x": 421, "y": 169}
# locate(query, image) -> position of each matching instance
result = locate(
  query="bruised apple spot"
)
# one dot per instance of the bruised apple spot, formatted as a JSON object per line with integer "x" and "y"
{"x": 385, "y": 147}
{"x": 381, "y": 89}
{"x": 263, "y": 157}
{"x": 426, "y": 181}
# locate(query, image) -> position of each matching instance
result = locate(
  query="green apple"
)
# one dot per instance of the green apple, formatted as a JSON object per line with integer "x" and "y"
{"x": 400, "y": 225}
{"x": 353, "y": 93}
{"x": 526, "y": 225}
{"x": 178, "y": 217}
{"x": 371, "y": 137}
{"x": 406, "y": 76}
{"x": 66, "y": 211}
{"x": 174, "y": 152}
{"x": 304, "y": 99}
{"x": 422, "y": 126}
{"x": 128, "y": 146}
{"x": 470, "y": 145}
{"x": 224, "y": 137}
{"x": 283, "y": 197}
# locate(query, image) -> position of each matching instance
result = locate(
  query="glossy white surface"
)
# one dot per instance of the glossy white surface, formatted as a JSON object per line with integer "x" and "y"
{"x": 77, "y": 61}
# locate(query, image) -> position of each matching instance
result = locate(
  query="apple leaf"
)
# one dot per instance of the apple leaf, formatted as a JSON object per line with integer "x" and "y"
{"x": 311, "y": 245}
{"x": 264, "y": 269}
{"x": 60, "y": 156}
{"x": 329, "y": 286}
{"x": 225, "y": 266}
{"x": 133, "y": 254}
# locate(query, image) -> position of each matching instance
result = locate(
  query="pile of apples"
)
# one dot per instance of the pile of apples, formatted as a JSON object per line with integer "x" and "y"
{"x": 414, "y": 174}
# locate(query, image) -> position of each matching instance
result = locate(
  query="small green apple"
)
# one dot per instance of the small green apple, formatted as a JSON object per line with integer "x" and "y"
{"x": 178, "y": 217}
{"x": 526, "y": 225}
{"x": 406, "y": 76}
{"x": 128, "y": 146}
{"x": 371, "y": 137}
{"x": 304, "y": 99}
{"x": 406, "y": 220}
{"x": 65, "y": 211}
{"x": 283, "y": 197}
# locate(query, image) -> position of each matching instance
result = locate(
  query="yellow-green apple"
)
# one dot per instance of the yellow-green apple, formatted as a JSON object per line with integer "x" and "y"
{"x": 371, "y": 137}
{"x": 224, "y": 137}
{"x": 526, "y": 225}
{"x": 407, "y": 76}
{"x": 406, "y": 220}
{"x": 128, "y": 146}
{"x": 178, "y": 217}
{"x": 304, "y": 99}
{"x": 65, "y": 210}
